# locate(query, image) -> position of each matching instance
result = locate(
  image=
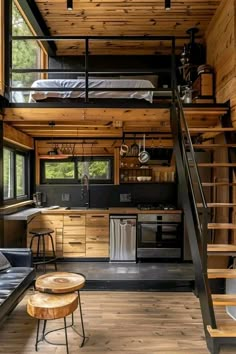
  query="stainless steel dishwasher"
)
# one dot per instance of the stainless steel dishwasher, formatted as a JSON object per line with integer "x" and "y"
{"x": 123, "y": 238}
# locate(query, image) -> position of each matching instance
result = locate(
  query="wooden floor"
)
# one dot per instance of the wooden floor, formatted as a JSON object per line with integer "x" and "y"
{"x": 119, "y": 322}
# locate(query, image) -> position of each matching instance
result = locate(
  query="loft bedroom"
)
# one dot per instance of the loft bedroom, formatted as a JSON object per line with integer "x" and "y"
{"x": 108, "y": 44}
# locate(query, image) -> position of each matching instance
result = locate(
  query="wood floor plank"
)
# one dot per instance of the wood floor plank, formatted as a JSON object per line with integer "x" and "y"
{"x": 118, "y": 322}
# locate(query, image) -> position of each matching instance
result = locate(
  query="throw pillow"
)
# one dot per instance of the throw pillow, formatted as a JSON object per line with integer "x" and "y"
{"x": 4, "y": 264}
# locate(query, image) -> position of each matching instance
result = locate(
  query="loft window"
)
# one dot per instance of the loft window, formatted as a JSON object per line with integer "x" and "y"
{"x": 25, "y": 55}
{"x": 15, "y": 176}
{"x": 98, "y": 169}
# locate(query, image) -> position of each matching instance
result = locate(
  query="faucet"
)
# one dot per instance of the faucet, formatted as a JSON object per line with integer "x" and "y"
{"x": 85, "y": 189}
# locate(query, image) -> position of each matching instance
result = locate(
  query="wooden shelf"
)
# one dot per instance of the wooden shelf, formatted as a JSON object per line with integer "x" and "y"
{"x": 136, "y": 168}
{"x": 54, "y": 157}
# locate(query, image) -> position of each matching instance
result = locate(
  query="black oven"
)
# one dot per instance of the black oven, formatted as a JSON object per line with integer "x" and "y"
{"x": 159, "y": 236}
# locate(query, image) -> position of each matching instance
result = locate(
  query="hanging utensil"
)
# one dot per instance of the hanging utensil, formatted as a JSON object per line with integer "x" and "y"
{"x": 134, "y": 149}
{"x": 144, "y": 155}
{"x": 124, "y": 149}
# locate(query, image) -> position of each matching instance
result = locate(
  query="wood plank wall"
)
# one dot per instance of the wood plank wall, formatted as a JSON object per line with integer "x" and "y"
{"x": 2, "y": 78}
{"x": 221, "y": 54}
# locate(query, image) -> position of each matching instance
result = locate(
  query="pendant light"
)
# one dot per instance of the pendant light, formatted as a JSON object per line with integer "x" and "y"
{"x": 69, "y": 5}
{"x": 167, "y": 5}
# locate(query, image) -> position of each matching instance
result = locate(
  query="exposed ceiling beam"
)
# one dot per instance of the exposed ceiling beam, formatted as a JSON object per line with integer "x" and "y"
{"x": 37, "y": 22}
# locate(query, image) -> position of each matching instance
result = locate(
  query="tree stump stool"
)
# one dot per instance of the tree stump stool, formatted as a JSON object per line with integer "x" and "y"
{"x": 50, "y": 307}
{"x": 63, "y": 283}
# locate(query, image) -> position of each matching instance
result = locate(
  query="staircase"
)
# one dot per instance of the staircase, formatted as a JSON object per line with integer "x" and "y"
{"x": 201, "y": 216}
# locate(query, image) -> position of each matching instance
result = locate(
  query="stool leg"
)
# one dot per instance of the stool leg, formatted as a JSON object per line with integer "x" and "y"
{"x": 67, "y": 348}
{"x": 31, "y": 244}
{"x": 44, "y": 328}
{"x": 53, "y": 251}
{"x": 81, "y": 318}
{"x": 44, "y": 255}
{"x": 72, "y": 319}
{"x": 37, "y": 336}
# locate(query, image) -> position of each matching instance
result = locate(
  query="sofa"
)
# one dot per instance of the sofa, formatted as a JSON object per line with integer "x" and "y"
{"x": 16, "y": 279}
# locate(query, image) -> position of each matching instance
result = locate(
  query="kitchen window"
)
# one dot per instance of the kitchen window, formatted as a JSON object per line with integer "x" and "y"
{"x": 98, "y": 169}
{"x": 15, "y": 176}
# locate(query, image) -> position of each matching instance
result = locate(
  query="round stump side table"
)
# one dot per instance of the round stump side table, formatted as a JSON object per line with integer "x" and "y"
{"x": 63, "y": 283}
{"x": 50, "y": 307}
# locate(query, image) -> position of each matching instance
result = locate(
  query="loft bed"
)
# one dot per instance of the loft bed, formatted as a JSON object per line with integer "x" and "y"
{"x": 98, "y": 88}
{"x": 120, "y": 89}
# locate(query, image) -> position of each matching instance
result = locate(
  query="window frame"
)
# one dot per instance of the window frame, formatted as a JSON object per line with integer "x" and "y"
{"x": 2, "y": 49}
{"x": 25, "y": 154}
{"x": 76, "y": 179}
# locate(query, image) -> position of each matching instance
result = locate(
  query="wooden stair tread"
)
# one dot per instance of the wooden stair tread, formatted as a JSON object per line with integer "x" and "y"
{"x": 212, "y": 184}
{"x": 224, "y": 299}
{"x": 221, "y": 226}
{"x": 216, "y": 164}
{"x": 221, "y": 248}
{"x": 213, "y": 129}
{"x": 222, "y": 331}
{"x": 215, "y": 205}
{"x": 213, "y": 146}
{"x": 221, "y": 273}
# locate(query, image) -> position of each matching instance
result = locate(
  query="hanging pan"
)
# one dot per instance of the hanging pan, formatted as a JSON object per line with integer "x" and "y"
{"x": 144, "y": 156}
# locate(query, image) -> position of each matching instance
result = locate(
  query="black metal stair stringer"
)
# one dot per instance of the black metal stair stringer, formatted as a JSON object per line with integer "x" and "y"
{"x": 195, "y": 241}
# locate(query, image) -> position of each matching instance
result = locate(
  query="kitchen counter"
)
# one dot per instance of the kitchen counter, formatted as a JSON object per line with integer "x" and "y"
{"x": 31, "y": 212}
{"x": 118, "y": 210}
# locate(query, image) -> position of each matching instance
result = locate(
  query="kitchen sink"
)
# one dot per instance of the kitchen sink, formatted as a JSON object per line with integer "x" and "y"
{"x": 85, "y": 208}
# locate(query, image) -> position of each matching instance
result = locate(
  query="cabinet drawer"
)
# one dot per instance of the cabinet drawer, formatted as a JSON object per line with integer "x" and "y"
{"x": 73, "y": 254}
{"x": 97, "y": 250}
{"x": 97, "y": 220}
{"x": 74, "y": 231}
{"x": 52, "y": 218}
{"x": 74, "y": 244}
{"x": 101, "y": 231}
{"x": 97, "y": 234}
{"x": 74, "y": 219}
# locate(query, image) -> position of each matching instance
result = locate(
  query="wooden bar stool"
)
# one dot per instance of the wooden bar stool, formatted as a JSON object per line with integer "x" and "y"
{"x": 40, "y": 235}
{"x": 50, "y": 307}
{"x": 63, "y": 283}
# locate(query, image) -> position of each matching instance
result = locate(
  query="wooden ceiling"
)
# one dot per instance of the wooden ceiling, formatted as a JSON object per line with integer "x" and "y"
{"x": 122, "y": 18}
{"x": 105, "y": 122}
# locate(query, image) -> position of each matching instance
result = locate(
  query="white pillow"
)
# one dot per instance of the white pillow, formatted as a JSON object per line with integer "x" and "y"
{"x": 4, "y": 264}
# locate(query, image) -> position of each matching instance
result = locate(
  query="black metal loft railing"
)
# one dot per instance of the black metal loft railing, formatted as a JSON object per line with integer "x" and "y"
{"x": 87, "y": 71}
{"x": 192, "y": 196}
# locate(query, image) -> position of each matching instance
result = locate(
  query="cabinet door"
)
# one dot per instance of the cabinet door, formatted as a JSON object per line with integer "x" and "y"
{"x": 97, "y": 240}
{"x": 74, "y": 235}
{"x": 97, "y": 220}
{"x": 74, "y": 219}
{"x": 74, "y": 246}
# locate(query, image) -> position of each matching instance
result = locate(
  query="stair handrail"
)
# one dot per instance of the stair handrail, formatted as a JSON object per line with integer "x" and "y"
{"x": 202, "y": 225}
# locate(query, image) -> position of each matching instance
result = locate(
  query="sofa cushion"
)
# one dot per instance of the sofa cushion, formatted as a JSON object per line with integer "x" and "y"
{"x": 4, "y": 264}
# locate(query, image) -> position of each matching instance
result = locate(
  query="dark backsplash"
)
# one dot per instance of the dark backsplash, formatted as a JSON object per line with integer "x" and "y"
{"x": 108, "y": 195}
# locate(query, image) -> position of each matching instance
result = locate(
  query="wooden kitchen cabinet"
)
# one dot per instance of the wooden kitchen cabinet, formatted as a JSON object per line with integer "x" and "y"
{"x": 97, "y": 235}
{"x": 74, "y": 235}
{"x": 54, "y": 222}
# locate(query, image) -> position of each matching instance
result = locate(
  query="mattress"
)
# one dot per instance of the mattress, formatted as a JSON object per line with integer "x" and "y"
{"x": 93, "y": 83}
